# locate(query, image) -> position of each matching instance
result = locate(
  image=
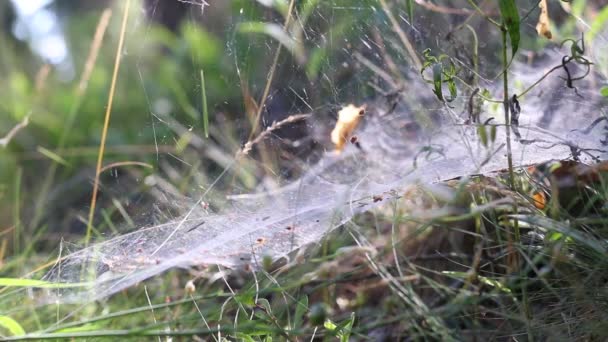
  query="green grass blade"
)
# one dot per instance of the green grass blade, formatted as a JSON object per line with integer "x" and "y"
{"x": 33, "y": 283}
{"x": 12, "y": 326}
{"x": 347, "y": 329}
{"x": 204, "y": 104}
{"x": 409, "y": 6}
{"x": 599, "y": 23}
{"x": 53, "y": 156}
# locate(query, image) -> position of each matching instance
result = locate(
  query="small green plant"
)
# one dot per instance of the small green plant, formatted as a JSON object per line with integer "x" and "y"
{"x": 441, "y": 75}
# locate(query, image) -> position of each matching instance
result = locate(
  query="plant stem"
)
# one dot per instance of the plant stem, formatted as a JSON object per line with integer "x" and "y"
{"x": 523, "y": 93}
{"x": 106, "y": 122}
{"x": 515, "y": 260}
{"x": 17, "y": 213}
{"x": 475, "y": 54}
{"x": 505, "y": 100}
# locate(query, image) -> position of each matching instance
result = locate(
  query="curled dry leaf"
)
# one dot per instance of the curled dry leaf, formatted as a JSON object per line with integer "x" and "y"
{"x": 543, "y": 21}
{"x": 348, "y": 119}
{"x": 539, "y": 199}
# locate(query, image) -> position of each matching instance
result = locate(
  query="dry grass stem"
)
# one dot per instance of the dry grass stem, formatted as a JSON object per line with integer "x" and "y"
{"x": 106, "y": 124}
{"x": 276, "y": 125}
{"x": 11, "y": 134}
{"x": 100, "y": 31}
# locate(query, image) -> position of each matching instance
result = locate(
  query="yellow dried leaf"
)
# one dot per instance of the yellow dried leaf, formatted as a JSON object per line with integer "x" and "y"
{"x": 539, "y": 200}
{"x": 348, "y": 119}
{"x": 543, "y": 20}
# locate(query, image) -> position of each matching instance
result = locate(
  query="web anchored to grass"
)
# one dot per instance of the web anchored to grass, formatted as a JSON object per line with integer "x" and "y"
{"x": 394, "y": 150}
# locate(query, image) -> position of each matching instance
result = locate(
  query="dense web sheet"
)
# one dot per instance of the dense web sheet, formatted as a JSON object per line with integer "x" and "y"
{"x": 393, "y": 156}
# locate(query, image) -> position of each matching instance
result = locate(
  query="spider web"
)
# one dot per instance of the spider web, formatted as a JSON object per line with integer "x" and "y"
{"x": 397, "y": 150}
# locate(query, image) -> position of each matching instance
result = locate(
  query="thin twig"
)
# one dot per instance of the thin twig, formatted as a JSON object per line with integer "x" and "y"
{"x": 41, "y": 77}
{"x": 100, "y": 31}
{"x": 11, "y": 134}
{"x": 523, "y": 93}
{"x": 276, "y": 125}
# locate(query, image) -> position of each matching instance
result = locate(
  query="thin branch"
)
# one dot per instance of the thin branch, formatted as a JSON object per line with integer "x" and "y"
{"x": 11, "y": 134}
{"x": 276, "y": 125}
{"x": 100, "y": 31}
{"x": 523, "y": 93}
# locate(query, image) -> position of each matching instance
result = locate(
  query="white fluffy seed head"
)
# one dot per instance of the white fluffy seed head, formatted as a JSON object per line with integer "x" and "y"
{"x": 190, "y": 288}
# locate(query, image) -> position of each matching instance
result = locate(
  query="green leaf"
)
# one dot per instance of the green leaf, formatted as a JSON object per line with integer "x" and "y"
{"x": 451, "y": 86}
{"x": 483, "y": 135}
{"x": 409, "y": 6}
{"x": 599, "y": 23}
{"x": 244, "y": 337}
{"x": 437, "y": 69}
{"x": 567, "y": 230}
{"x": 604, "y": 91}
{"x": 317, "y": 57}
{"x": 301, "y": 308}
{"x": 346, "y": 329}
{"x": 329, "y": 325}
{"x": 53, "y": 156}
{"x": 204, "y": 48}
{"x": 441, "y": 74}
{"x": 510, "y": 19}
{"x": 14, "y": 328}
